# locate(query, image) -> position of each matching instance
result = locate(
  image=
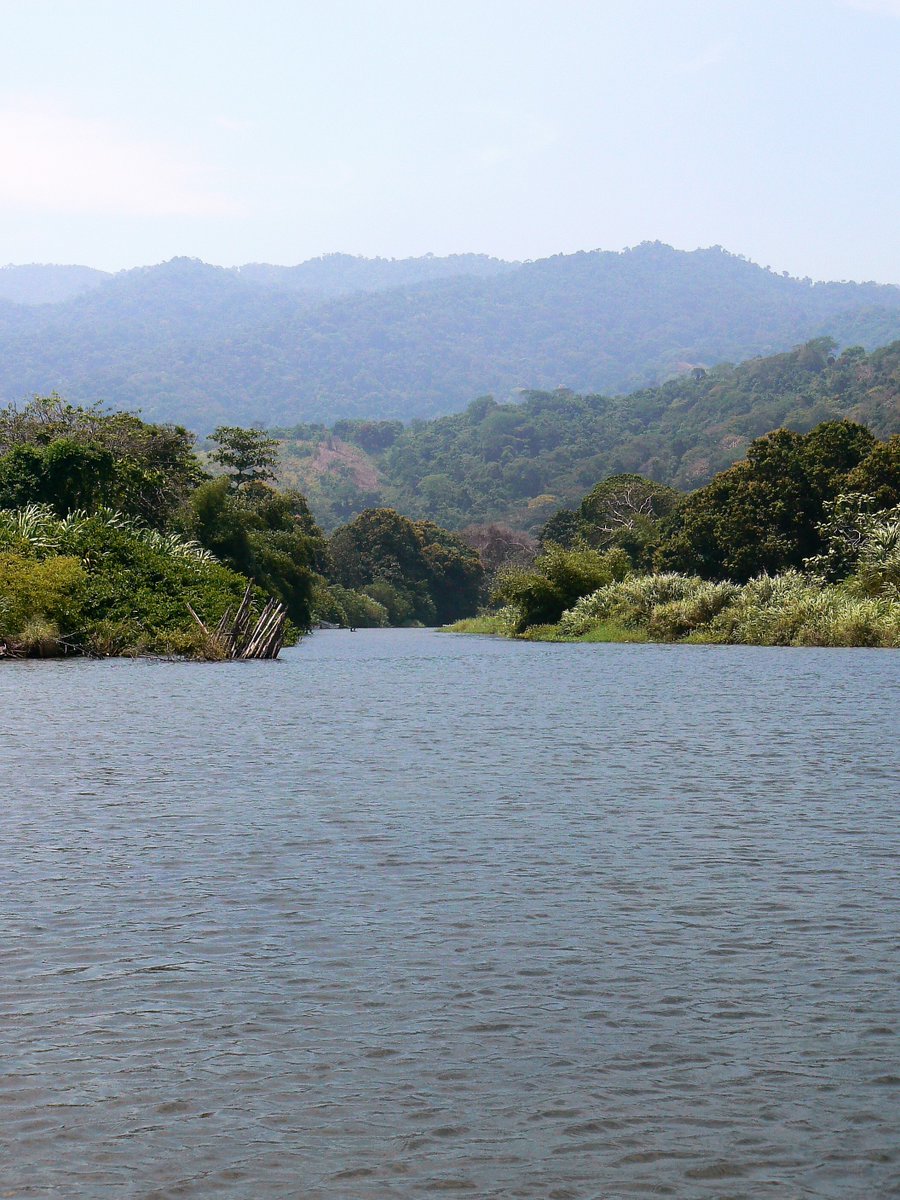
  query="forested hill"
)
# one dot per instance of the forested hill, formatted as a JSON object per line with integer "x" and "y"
{"x": 205, "y": 346}
{"x": 322, "y": 278}
{"x": 517, "y": 463}
{"x": 343, "y": 274}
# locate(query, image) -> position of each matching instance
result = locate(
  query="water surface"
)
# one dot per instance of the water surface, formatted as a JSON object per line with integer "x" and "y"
{"x": 408, "y": 913}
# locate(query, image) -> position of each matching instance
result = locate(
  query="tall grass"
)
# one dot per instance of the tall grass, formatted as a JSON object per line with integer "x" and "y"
{"x": 633, "y": 601}
{"x": 782, "y": 610}
{"x": 37, "y": 527}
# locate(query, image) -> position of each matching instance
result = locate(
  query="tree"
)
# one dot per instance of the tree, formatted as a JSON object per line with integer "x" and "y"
{"x": 417, "y": 570}
{"x": 73, "y": 457}
{"x": 499, "y": 546}
{"x": 764, "y": 514}
{"x": 249, "y": 455}
{"x": 623, "y": 502}
{"x": 265, "y": 534}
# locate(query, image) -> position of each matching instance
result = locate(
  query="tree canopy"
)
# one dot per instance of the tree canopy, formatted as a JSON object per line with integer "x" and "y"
{"x": 417, "y": 570}
{"x": 764, "y": 513}
{"x": 207, "y": 346}
{"x": 516, "y": 464}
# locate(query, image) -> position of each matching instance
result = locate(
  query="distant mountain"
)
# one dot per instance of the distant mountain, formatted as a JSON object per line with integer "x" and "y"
{"x": 519, "y": 462}
{"x": 343, "y": 274}
{"x": 41, "y": 283}
{"x": 205, "y": 345}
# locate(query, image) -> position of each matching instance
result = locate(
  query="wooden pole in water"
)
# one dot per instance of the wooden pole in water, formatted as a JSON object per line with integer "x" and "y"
{"x": 241, "y": 637}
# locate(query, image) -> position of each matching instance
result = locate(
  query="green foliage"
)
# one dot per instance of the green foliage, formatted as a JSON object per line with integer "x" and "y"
{"x": 267, "y": 535}
{"x": 248, "y": 455}
{"x": 193, "y": 342}
{"x": 105, "y": 581}
{"x": 500, "y": 624}
{"x": 785, "y": 610}
{"x": 878, "y": 563}
{"x": 343, "y": 606}
{"x": 37, "y": 638}
{"x": 631, "y": 601}
{"x": 453, "y": 571}
{"x": 793, "y": 610}
{"x": 516, "y": 463}
{"x": 622, "y": 510}
{"x": 559, "y": 578}
{"x": 32, "y": 590}
{"x": 370, "y": 435}
{"x": 764, "y": 514}
{"x": 854, "y": 533}
{"x": 401, "y": 606}
{"x": 621, "y": 501}
{"x": 878, "y": 475}
{"x": 63, "y": 471}
{"x": 416, "y": 570}
{"x": 69, "y": 457}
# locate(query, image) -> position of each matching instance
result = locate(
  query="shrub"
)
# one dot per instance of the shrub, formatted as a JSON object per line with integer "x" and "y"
{"x": 677, "y": 618}
{"x": 360, "y": 611}
{"x": 38, "y": 638}
{"x": 630, "y": 601}
{"x": 878, "y": 565}
{"x": 46, "y": 590}
{"x": 794, "y": 610}
{"x": 559, "y": 578}
{"x": 775, "y": 610}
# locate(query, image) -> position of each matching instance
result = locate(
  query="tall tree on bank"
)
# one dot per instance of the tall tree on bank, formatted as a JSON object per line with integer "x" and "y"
{"x": 764, "y": 514}
{"x": 248, "y": 455}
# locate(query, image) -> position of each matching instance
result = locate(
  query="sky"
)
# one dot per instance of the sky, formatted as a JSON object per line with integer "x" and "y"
{"x": 280, "y": 130}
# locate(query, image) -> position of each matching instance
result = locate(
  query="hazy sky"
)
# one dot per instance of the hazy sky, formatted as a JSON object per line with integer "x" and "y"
{"x": 132, "y": 131}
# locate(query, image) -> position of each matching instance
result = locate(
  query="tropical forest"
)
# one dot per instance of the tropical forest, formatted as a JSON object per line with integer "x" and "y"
{"x": 758, "y": 503}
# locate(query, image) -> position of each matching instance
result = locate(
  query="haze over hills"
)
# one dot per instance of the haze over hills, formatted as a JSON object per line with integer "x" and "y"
{"x": 42, "y": 283}
{"x": 344, "y": 337}
{"x": 330, "y": 275}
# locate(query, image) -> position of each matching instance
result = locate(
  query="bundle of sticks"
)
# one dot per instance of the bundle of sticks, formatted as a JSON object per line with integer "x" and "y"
{"x": 242, "y": 635}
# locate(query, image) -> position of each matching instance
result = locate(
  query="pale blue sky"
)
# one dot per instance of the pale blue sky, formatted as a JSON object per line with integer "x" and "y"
{"x": 273, "y": 131}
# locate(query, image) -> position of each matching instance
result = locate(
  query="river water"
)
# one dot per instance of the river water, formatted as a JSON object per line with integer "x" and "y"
{"x": 407, "y": 913}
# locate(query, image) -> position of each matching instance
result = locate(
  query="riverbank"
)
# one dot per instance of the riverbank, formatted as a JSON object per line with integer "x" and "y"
{"x": 496, "y": 626}
{"x": 782, "y": 610}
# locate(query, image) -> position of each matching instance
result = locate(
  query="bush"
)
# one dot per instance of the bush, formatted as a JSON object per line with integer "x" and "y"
{"x": 630, "y": 601}
{"x": 560, "y": 577}
{"x": 878, "y": 565}
{"x": 697, "y": 608}
{"x": 772, "y": 610}
{"x": 37, "y": 638}
{"x": 47, "y": 590}
{"x": 359, "y": 610}
{"x": 793, "y": 610}
{"x": 108, "y": 585}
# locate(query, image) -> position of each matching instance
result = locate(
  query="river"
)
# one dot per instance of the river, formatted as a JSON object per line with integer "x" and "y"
{"x": 409, "y": 913}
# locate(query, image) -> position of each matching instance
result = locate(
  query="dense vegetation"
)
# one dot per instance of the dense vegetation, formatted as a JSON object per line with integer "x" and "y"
{"x": 112, "y": 530}
{"x": 799, "y": 544}
{"x": 207, "y": 346}
{"x": 415, "y": 570}
{"x": 517, "y": 463}
{"x": 99, "y": 584}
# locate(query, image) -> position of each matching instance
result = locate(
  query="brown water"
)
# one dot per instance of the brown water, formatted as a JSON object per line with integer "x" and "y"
{"x": 407, "y": 914}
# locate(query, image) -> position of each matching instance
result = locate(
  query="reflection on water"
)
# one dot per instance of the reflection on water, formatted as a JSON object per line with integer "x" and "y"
{"x": 409, "y": 913}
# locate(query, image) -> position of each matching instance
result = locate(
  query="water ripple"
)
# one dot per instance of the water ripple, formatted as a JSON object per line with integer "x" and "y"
{"x": 407, "y": 914}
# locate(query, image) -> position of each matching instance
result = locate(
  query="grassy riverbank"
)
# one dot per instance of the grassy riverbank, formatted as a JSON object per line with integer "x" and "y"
{"x": 498, "y": 626}
{"x": 782, "y": 610}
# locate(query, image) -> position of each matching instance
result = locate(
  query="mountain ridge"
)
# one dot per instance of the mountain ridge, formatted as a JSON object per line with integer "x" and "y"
{"x": 206, "y": 345}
